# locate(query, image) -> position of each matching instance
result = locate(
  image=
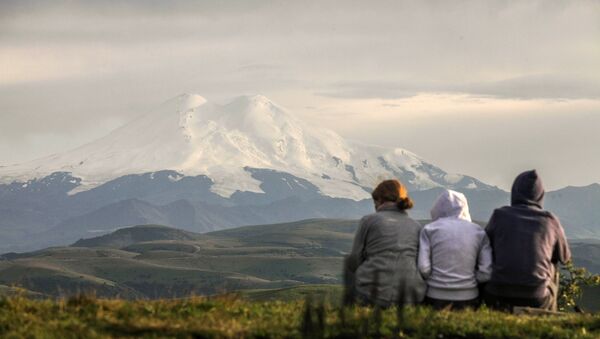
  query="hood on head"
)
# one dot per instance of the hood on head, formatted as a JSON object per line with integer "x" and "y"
{"x": 451, "y": 204}
{"x": 527, "y": 190}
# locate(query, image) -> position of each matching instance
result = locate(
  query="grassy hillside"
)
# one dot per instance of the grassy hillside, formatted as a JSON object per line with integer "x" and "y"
{"x": 86, "y": 317}
{"x": 132, "y": 235}
{"x": 586, "y": 253}
{"x": 331, "y": 294}
{"x": 160, "y": 262}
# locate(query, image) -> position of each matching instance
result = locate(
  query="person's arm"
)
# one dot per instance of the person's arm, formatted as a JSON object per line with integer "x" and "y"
{"x": 424, "y": 260}
{"x": 484, "y": 261}
{"x": 561, "y": 252}
{"x": 356, "y": 256}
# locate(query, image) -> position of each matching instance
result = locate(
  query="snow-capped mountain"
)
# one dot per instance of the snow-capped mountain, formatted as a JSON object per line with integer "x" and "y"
{"x": 192, "y": 136}
{"x": 200, "y": 166}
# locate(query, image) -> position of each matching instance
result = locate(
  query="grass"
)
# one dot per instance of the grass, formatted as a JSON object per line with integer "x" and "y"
{"x": 221, "y": 317}
{"x": 331, "y": 294}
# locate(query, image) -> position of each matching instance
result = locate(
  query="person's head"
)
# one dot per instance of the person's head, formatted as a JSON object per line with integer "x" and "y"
{"x": 392, "y": 191}
{"x": 450, "y": 204}
{"x": 527, "y": 190}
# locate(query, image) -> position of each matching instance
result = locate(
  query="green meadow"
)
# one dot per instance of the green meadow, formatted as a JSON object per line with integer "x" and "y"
{"x": 237, "y": 317}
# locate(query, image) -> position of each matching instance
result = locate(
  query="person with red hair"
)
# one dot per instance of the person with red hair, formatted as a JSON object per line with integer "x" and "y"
{"x": 382, "y": 266}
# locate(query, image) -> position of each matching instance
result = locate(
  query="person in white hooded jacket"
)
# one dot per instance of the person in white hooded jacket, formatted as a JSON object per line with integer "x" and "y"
{"x": 454, "y": 254}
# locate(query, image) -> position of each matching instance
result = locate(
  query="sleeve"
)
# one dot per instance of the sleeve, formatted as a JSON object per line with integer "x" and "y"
{"x": 356, "y": 256}
{"x": 561, "y": 252}
{"x": 424, "y": 259}
{"x": 484, "y": 261}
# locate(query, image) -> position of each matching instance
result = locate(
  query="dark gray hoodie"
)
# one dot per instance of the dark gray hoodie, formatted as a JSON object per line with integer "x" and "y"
{"x": 526, "y": 241}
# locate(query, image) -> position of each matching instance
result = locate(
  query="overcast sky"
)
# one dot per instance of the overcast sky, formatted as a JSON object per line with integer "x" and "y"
{"x": 486, "y": 88}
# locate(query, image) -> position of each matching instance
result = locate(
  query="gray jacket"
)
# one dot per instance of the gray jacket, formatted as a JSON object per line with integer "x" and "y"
{"x": 384, "y": 257}
{"x": 454, "y": 254}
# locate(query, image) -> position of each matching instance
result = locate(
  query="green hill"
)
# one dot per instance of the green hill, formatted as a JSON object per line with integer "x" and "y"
{"x": 153, "y": 261}
{"x": 156, "y": 262}
{"x": 132, "y": 235}
{"x": 586, "y": 253}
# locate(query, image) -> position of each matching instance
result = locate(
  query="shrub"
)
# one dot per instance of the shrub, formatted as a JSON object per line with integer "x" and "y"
{"x": 572, "y": 281}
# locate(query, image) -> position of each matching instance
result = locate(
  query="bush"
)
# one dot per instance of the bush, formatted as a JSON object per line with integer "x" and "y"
{"x": 572, "y": 281}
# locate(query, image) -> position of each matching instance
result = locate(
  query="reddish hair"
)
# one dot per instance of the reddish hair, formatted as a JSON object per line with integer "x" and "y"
{"x": 394, "y": 191}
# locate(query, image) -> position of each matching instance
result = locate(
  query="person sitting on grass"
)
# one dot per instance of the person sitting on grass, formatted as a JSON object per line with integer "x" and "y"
{"x": 527, "y": 243}
{"x": 454, "y": 254}
{"x": 382, "y": 266}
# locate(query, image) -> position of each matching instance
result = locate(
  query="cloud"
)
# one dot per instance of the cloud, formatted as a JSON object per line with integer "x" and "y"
{"x": 69, "y": 70}
{"x": 544, "y": 86}
{"x": 490, "y": 138}
{"x": 371, "y": 90}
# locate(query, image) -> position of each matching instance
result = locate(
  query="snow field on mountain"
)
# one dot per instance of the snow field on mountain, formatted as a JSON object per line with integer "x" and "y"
{"x": 193, "y": 136}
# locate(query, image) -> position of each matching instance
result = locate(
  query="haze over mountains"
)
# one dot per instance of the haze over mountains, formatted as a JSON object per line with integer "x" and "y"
{"x": 201, "y": 166}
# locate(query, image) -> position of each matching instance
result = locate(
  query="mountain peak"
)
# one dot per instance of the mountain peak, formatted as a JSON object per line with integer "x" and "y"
{"x": 189, "y": 135}
{"x": 248, "y": 102}
{"x": 188, "y": 101}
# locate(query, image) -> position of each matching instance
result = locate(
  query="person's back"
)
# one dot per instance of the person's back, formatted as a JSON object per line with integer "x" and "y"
{"x": 454, "y": 254}
{"x": 527, "y": 243}
{"x": 383, "y": 261}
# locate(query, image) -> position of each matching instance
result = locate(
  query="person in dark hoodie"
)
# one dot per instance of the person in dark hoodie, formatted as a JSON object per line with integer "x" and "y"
{"x": 527, "y": 244}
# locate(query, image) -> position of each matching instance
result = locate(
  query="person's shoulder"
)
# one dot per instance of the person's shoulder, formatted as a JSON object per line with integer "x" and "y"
{"x": 369, "y": 218}
{"x": 477, "y": 229}
{"x": 551, "y": 222}
{"x": 471, "y": 224}
{"x": 503, "y": 210}
{"x": 547, "y": 215}
{"x": 554, "y": 220}
{"x": 432, "y": 227}
{"x": 550, "y": 215}
{"x": 407, "y": 218}
{"x": 434, "y": 224}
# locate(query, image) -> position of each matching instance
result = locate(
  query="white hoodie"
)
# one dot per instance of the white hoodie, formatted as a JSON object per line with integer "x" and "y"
{"x": 454, "y": 253}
